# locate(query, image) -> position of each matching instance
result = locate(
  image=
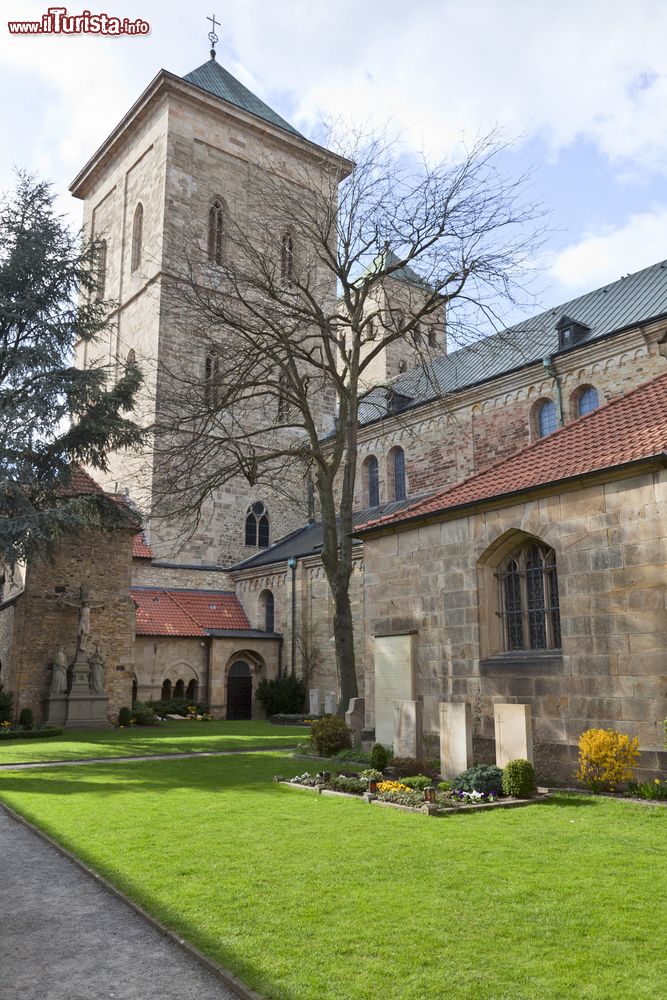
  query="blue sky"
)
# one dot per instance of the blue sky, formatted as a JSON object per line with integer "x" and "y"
{"x": 583, "y": 86}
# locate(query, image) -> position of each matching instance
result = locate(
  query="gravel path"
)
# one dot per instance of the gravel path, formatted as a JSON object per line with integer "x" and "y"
{"x": 63, "y": 936}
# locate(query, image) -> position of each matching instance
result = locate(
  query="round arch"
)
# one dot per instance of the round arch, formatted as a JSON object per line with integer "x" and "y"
{"x": 242, "y": 674}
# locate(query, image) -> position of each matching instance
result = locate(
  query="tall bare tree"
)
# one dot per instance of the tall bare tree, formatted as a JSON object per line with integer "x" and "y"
{"x": 294, "y": 302}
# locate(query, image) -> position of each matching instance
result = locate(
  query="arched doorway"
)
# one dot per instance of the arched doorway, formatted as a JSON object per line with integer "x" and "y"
{"x": 239, "y": 691}
{"x": 179, "y": 689}
{"x": 165, "y": 694}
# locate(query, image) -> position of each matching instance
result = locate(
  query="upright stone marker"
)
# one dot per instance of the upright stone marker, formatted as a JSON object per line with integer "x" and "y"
{"x": 394, "y": 657}
{"x": 455, "y": 738}
{"x": 355, "y": 718}
{"x": 314, "y": 701}
{"x": 514, "y": 733}
{"x": 430, "y": 714}
{"x": 408, "y": 729}
{"x": 330, "y": 702}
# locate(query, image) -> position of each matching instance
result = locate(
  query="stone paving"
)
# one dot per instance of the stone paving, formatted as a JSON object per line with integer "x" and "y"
{"x": 66, "y": 937}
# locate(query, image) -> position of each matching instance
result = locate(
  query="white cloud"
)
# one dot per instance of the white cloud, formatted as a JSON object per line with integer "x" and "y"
{"x": 603, "y": 257}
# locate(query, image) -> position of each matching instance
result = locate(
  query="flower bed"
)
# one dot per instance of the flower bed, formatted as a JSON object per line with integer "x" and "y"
{"x": 429, "y": 799}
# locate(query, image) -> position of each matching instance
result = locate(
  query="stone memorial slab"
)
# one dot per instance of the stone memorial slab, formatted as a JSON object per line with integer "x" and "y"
{"x": 408, "y": 729}
{"x": 355, "y": 719}
{"x": 394, "y": 658}
{"x": 314, "y": 701}
{"x": 330, "y": 702}
{"x": 514, "y": 733}
{"x": 455, "y": 738}
{"x": 430, "y": 717}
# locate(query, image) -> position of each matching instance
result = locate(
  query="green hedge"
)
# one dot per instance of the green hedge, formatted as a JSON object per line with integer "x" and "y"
{"x": 30, "y": 734}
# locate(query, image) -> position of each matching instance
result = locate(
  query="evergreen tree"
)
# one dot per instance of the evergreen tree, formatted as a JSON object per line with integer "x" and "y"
{"x": 52, "y": 414}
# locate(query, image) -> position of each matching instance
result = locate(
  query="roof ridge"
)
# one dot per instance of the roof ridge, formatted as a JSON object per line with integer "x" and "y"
{"x": 555, "y": 436}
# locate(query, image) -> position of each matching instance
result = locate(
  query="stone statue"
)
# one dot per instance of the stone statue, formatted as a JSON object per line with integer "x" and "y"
{"x": 84, "y": 605}
{"x": 59, "y": 675}
{"x": 97, "y": 672}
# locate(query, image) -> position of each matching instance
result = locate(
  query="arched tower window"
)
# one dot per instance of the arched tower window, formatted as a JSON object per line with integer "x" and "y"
{"x": 396, "y": 474}
{"x": 371, "y": 481}
{"x": 137, "y": 236}
{"x": 215, "y": 231}
{"x": 212, "y": 380}
{"x": 528, "y": 604}
{"x": 287, "y": 259}
{"x": 587, "y": 400}
{"x": 101, "y": 270}
{"x": 267, "y": 611}
{"x": 546, "y": 418}
{"x": 257, "y": 525}
{"x": 131, "y": 358}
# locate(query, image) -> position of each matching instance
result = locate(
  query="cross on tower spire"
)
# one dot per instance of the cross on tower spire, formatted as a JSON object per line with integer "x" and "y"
{"x": 212, "y": 37}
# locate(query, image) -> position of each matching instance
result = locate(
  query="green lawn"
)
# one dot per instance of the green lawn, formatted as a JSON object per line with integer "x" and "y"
{"x": 310, "y": 898}
{"x": 171, "y": 737}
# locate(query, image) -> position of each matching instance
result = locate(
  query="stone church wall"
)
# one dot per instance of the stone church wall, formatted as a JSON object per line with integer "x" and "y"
{"x": 610, "y": 542}
{"x": 41, "y": 624}
{"x": 449, "y": 439}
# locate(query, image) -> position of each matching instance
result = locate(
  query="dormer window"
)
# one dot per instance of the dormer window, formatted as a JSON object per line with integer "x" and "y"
{"x": 570, "y": 332}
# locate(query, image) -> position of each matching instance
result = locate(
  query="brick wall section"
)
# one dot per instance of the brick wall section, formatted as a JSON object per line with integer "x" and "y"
{"x": 40, "y": 624}
{"x": 611, "y": 550}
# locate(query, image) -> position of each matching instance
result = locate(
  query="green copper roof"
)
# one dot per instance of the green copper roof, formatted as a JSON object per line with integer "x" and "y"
{"x": 387, "y": 258}
{"x": 217, "y": 81}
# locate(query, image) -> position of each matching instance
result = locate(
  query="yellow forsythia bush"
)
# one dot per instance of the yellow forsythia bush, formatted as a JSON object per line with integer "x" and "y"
{"x": 606, "y": 758}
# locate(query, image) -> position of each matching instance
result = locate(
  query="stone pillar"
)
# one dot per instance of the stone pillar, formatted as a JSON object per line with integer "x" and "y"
{"x": 355, "y": 718}
{"x": 408, "y": 729}
{"x": 455, "y": 738}
{"x": 314, "y": 701}
{"x": 514, "y": 733}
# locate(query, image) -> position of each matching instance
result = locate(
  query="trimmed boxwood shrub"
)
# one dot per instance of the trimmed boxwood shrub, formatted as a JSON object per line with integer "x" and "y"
{"x": 329, "y": 735}
{"x": 480, "y": 778}
{"x": 419, "y": 782}
{"x": 379, "y": 757}
{"x": 26, "y": 718}
{"x": 519, "y": 779}
{"x": 176, "y": 706}
{"x": 143, "y": 714}
{"x": 30, "y": 734}
{"x": 348, "y": 783}
{"x": 124, "y": 717}
{"x": 282, "y": 695}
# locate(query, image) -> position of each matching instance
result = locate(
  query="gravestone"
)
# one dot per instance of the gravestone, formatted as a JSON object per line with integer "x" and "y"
{"x": 408, "y": 729}
{"x": 514, "y": 733}
{"x": 394, "y": 657}
{"x": 355, "y": 717}
{"x": 430, "y": 716}
{"x": 314, "y": 701}
{"x": 455, "y": 738}
{"x": 330, "y": 702}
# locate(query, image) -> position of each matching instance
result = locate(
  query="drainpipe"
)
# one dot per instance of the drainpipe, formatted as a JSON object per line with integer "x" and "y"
{"x": 550, "y": 369}
{"x": 291, "y": 562}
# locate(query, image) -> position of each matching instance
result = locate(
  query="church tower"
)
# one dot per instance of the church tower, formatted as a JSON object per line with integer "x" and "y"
{"x": 184, "y": 150}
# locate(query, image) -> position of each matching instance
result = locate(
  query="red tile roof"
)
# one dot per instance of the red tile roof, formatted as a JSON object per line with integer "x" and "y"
{"x": 627, "y": 429}
{"x": 186, "y": 612}
{"x": 140, "y": 547}
{"x": 80, "y": 483}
